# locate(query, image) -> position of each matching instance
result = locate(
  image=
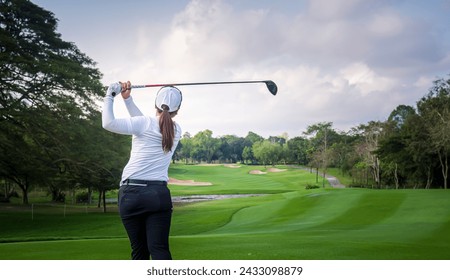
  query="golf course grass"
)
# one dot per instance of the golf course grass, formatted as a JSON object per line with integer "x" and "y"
{"x": 283, "y": 220}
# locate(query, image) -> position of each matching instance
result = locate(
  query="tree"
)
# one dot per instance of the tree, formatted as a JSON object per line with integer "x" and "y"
{"x": 320, "y": 144}
{"x": 205, "y": 146}
{"x": 399, "y": 116}
{"x": 392, "y": 148}
{"x": 247, "y": 155}
{"x": 420, "y": 168}
{"x": 372, "y": 132}
{"x": 186, "y": 147}
{"x": 37, "y": 66}
{"x": 252, "y": 138}
{"x": 435, "y": 109}
{"x": 298, "y": 147}
{"x": 100, "y": 157}
{"x": 277, "y": 139}
{"x": 267, "y": 152}
{"x": 342, "y": 154}
{"x": 21, "y": 159}
{"x": 45, "y": 82}
{"x": 249, "y": 141}
{"x": 232, "y": 148}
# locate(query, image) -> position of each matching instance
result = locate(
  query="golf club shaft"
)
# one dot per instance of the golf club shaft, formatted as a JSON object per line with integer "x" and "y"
{"x": 195, "y": 84}
{"x": 271, "y": 86}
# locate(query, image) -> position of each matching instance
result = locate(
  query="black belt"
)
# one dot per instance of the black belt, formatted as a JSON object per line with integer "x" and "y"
{"x": 143, "y": 182}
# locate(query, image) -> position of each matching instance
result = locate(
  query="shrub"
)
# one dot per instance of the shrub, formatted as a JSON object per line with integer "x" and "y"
{"x": 82, "y": 197}
{"x": 356, "y": 185}
{"x": 311, "y": 186}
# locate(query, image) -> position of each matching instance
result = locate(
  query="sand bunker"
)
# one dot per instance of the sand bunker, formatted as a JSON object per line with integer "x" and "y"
{"x": 173, "y": 181}
{"x": 256, "y": 172}
{"x": 268, "y": 170}
{"x": 232, "y": 165}
{"x": 275, "y": 170}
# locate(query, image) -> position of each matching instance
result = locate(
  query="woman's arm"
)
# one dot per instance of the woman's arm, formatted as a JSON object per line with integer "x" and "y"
{"x": 109, "y": 122}
{"x": 127, "y": 126}
{"x": 133, "y": 110}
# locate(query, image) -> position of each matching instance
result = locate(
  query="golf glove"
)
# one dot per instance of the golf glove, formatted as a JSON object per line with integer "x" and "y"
{"x": 114, "y": 90}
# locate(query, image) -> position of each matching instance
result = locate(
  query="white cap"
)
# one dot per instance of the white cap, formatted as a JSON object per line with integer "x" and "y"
{"x": 170, "y": 96}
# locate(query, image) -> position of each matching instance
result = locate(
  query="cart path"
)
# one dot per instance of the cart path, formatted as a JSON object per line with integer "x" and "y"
{"x": 334, "y": 182}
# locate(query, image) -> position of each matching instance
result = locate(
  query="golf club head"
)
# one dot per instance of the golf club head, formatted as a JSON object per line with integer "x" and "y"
{"x": 272, "y": 87}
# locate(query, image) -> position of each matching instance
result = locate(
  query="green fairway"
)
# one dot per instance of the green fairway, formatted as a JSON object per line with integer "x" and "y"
{"x": 286, "y": 222}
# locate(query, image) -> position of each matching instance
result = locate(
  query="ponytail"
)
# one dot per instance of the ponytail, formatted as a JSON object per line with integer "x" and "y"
{"x": 167, "y": 128}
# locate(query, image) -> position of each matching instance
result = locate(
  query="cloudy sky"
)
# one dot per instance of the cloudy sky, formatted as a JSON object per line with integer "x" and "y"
{"x": 346, "y": 62}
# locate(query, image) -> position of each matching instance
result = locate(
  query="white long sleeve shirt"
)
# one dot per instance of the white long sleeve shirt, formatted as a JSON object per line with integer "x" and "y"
{"x": 147, "y": 160}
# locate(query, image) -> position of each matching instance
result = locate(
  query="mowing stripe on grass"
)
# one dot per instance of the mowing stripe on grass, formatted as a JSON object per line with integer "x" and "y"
{"x": 288, "y": 223}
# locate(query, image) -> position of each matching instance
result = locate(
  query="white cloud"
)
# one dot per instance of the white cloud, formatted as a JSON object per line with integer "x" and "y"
{"x": 365, "y": 80}
{"x": 321, "y": 61}
{"x": 332, "y": 9}
{"x": 347, "y": 62}
{"x": 386, "y": 24}
{"x": 424, "y": 82}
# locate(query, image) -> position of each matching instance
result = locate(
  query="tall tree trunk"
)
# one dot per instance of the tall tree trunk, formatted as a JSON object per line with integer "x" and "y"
{"x": 317, "y": 175}
{"x": 24, "y": 189}
{"x": 99, "y": 198}
{"x": 443, "y": 159}
{"x": 89, "y": 195}
{"x": 396, "y": 176}
{"x": 429, "y": 177}
{"x": 376, "y": 172}
{"x": 24, "y": 186}
{"x": 104, "y": 200}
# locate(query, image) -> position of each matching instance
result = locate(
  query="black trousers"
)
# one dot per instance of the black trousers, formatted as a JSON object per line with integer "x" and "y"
{"x": 146, "y": 211}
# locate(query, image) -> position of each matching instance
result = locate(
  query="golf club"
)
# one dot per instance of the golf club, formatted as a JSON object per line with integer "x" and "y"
{"x": 271, "y": 86}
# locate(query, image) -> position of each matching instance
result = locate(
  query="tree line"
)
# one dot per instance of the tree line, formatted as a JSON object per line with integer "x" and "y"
{"x": 51, "y": 135}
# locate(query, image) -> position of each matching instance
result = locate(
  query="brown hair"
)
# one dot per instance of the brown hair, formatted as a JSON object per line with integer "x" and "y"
{"x": 167, "y": 127}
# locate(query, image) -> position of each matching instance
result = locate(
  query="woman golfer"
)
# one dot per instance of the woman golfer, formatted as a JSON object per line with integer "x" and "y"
{"x": 145, "y": 204}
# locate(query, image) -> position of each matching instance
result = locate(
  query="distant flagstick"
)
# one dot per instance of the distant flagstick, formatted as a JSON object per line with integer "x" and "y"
{"x": 271, "y": 86}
